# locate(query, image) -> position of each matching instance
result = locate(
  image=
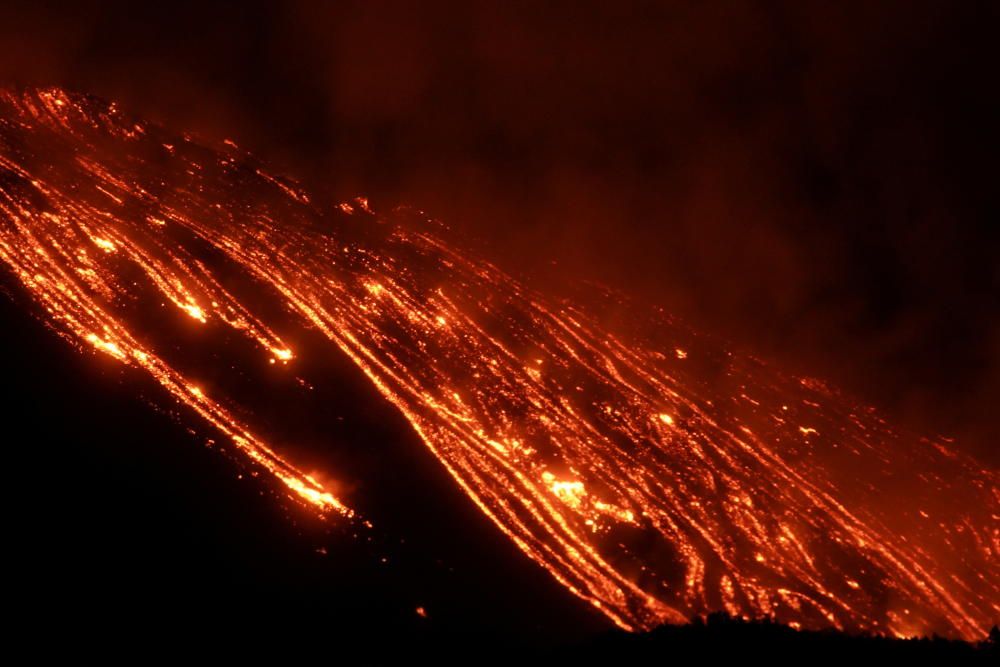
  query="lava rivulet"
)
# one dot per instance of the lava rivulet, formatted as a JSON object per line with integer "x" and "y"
{"x": 655, "y": 476}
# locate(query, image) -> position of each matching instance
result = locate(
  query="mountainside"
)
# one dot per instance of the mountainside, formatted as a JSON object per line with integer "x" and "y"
{"x": 349, "y": 361}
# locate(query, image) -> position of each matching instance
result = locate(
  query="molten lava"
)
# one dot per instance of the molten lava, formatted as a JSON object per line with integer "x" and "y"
{"x": 653, "y": 475}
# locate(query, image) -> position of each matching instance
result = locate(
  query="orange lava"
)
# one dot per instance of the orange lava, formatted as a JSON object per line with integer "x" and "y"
{"x": 654, "y": 476}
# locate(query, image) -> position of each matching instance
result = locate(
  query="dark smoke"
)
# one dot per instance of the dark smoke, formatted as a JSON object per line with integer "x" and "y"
{"x": 814, "y": 180}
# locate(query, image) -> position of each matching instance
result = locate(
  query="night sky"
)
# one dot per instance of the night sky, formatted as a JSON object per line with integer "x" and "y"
{"x": 814, "y": 181}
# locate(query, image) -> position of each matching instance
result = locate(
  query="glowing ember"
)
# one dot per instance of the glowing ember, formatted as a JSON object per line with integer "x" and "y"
{"x": 652, "y": 480}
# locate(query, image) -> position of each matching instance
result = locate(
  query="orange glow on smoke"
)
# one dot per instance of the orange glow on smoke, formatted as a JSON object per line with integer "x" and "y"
{"x": 644, "y": 486}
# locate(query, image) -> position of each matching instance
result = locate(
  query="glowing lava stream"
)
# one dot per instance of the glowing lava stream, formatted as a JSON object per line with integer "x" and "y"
{"x": 652, "y": 478}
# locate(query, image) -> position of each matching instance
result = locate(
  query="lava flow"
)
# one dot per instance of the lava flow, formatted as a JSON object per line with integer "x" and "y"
{"x": 655, "y": 476}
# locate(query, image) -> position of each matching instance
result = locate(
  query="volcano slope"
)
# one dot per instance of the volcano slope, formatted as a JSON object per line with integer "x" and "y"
{"x": 648, "y": 471}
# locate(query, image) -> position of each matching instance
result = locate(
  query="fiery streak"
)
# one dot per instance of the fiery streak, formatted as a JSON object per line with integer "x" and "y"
{"x": 654, "y": 479}
{"x": 48, "y": 251}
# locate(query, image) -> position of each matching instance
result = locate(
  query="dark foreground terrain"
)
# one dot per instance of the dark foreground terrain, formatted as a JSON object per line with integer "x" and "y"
{"x": 721, "y": 637}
